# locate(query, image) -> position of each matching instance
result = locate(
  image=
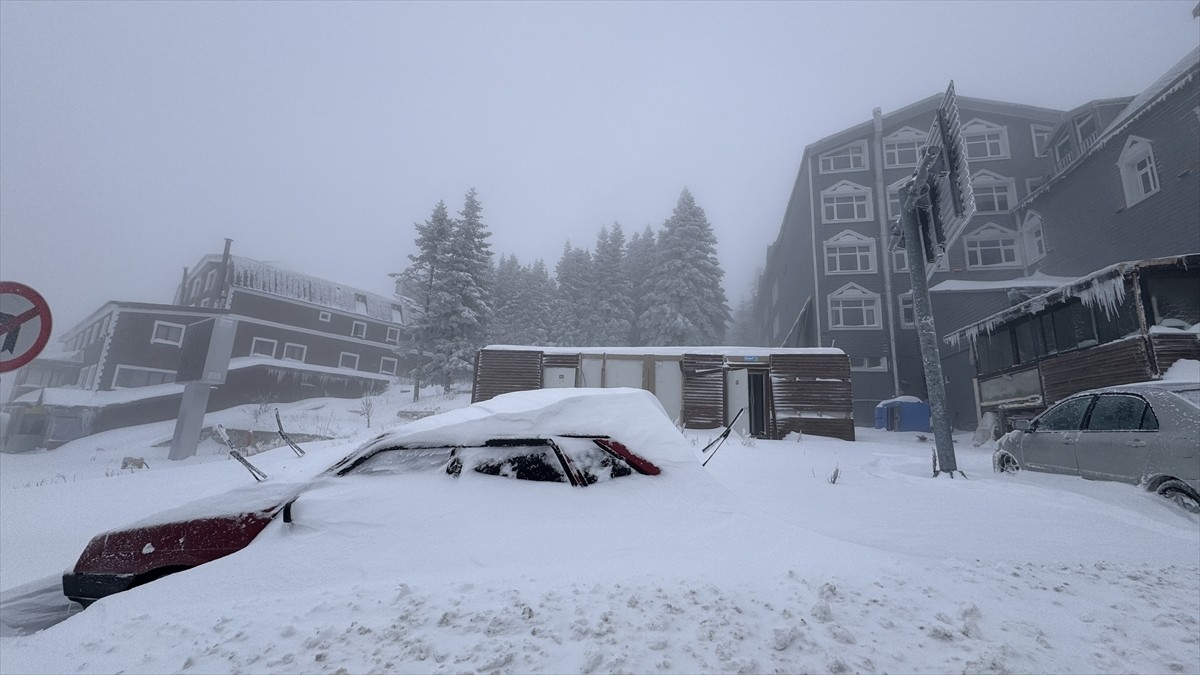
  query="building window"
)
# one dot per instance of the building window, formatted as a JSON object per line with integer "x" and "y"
{"x": 167, "y": 333}
{"x": 128, "y": 377}
{"x": 323, "y": 316}
{"x": 360, "y": 303}
{"x": 868, "y": 363}
{"x": 1032, "y": 184}
{"x": 851, "y": 157}
{"x": 993, "y": 193}
{"x": 908, "y": 315}
{"x": 853, "y": 307}
{"x": 985, "y": 140}
{"x": 387, "y": 365}
{"x": 204, "y": 302}
{"x": 393, "y": 335}
{"x": 900, "y": 261}
{"x": 893, "y": 198}
{"x": 992, "y": 246}
{"x": 348, "y": 360}
{"x": 210, "y": 279}
{"x": 850, "y": 253}
{"x": 846, "y": 202}
{"x": 294, "y": 352}
{"x": 263, "y": 347}
{"x": 1041, "y": 134}
{"x": 1086, "y": 128}
{"x": 1035, "y": 242}
{"x": 1139, "y": 174}
{"x": 358, "y": 330}
{"x": 903, "y": 148}
{"x": 1062, "y": 152}
{"x": 397, "y": 314}
{"x": 195, "y": 287}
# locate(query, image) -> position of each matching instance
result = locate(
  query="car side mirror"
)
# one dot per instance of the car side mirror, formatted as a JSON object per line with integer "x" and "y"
{"x": 1021, "y": 425}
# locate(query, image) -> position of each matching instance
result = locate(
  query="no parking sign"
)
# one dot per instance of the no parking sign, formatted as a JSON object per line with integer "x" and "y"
{"x": 24, "y": 325}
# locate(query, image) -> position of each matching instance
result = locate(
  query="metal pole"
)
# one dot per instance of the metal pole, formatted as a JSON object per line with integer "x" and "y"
{"x": 930, "y": 354}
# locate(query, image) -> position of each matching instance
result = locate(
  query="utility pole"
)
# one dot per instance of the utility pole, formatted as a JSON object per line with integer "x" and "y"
{"x": 936, "y": 204}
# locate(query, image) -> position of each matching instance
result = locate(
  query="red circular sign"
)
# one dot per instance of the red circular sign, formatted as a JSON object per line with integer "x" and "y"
{"x": 10, "y": 326}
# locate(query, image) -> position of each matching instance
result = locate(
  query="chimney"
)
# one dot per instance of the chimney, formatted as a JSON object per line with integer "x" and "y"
{"x": 182, "y": 287}
{"x": 224, "y": 293}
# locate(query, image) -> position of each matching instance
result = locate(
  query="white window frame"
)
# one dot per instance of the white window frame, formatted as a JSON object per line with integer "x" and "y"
{"x": 893, "y": 190}
{"x": 905, "y": 300}
{"x": 397, "y": 314}
{"x": 859, "y": 364}
{"x": 393, "y": 335}
{"x": 154, "y": 339}
{"x": 907, "y": 137}
{"x": 324, "y": 316}
{"x": 383, "y": 361}
{"x": 847, "y": 239}
{"x": 994, "y": 182}
{"x": 1085, "y": 141}
{"x": 1033, "y": 235}
{"x": 971, "y": 131}
{"x": 1138, "y": 150}
{"x": 342, "y": 357}
{"x": 1062, "y": 159}
{"x": 210, "y": 280}
{"x": 986, "y": 237}
{"x": 852, "y": 151}
{"x": 255, "y": 341}
{"x": 853, "y": 293}
{"x": 847, "y": 190}
{"x": 121, "y": 367}
{"x": 901, "y": 254}
{"x": 1043, "y": 132}
{"x": 195, "y": 287}
{"x": 358, "y": 329}
{"x": 288, "y": 345}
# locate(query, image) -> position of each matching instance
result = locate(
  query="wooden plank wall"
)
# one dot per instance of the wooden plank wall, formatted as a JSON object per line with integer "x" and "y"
{"x": 500, "y": 371}
{"x": 703, "y": 391}
{"x": 1105, "y": 365}
{"x": 1170, "y": 347}
{"x": 812, "y": 394}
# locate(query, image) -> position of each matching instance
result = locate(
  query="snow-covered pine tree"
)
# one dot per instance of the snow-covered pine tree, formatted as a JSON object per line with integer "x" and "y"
{"x": 508, "y": 282}
{"x": 685, "y": 302}
{"x": 425, "y": 278}
{"x": 613, "y": 318}
{"x": 574, "y": 309}
{"x": 463, "y": 327}
{"x": 534, "y": 310}
{"x": 639, "y": 260}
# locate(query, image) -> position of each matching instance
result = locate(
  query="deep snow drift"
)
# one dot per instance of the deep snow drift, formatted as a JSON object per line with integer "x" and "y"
{"x": 756, "y": 563}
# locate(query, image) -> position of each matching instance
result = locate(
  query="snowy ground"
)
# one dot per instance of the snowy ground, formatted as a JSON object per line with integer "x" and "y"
{"x": 764, "y": 567}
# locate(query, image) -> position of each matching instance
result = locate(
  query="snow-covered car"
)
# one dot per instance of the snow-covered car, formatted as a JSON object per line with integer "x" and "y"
{"x": 574, "y": 438}
{"x": 1146, "y": 433}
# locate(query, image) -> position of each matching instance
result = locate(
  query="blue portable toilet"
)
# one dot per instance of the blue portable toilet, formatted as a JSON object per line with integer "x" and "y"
{"x": 904, "y": 413}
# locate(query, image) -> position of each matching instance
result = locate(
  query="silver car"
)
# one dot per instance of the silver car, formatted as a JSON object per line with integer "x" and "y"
{"x": 1146, "y": 433}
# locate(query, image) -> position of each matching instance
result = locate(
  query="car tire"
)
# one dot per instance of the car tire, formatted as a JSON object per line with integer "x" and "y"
{"x": 1179, "y": 492}
{"x": 1004, "y": 462}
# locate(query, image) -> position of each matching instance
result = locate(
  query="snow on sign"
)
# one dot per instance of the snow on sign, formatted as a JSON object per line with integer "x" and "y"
{"x": 24, "y": 325}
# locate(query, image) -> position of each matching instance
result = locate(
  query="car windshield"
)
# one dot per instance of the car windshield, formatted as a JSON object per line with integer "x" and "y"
{"x": 575, "y": 460}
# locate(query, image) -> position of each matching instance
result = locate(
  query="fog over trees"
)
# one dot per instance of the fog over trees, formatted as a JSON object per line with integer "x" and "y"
{"x": 659, "y": 288}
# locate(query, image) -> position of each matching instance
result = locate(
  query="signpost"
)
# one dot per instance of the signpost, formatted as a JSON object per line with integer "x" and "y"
{"x": 936, "y": 204}
{"x": 25, "y": 325}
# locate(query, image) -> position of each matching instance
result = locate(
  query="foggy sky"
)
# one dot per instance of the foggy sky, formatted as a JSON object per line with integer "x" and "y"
{"x": 135, "y": 137}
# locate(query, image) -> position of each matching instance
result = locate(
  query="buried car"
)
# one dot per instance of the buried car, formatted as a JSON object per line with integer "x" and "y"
{"x": 1146, "y": 433}
{"x": 545, "y": 436}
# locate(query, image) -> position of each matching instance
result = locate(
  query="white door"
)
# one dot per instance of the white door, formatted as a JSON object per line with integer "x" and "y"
{"x": 737, "y": 397}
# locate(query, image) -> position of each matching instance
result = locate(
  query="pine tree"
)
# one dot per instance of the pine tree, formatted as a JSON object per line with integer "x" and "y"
{"x": 639, "y": 260}
{"x": 612, "y": 301}
{"x": 685, "y": 302}
{"x": 574, "y": 309}
{"x": 426, "y": 279}
{"x": 508, "y": 281}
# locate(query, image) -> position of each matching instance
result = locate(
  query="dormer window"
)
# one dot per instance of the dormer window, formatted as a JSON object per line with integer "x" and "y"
{"x": 1139, "y": 173}
{"x": 1034, "y": 237}
{"x": 852, "y": 157}
{"x": 1086, "y": 128}
{"x": 1041, "y": 136}
{"x": 1062, "y": 152}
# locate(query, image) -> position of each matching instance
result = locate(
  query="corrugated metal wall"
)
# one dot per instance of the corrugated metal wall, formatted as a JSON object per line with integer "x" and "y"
{"x": 703, "y": 391}
{"x": 500, "y": 371}
{"x": 812, "y": 394}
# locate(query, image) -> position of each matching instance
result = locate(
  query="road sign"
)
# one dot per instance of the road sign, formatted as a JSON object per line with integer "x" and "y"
{"x": 950, "y": 194}
{"x": 24, "y": 325}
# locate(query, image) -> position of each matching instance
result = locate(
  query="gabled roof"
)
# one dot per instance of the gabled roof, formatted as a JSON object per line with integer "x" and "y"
{"x": 1170, "y": 82}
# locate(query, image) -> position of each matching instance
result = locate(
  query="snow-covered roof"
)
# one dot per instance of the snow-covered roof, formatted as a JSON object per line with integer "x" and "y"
{"x": 276, "y": 280}
{"x": 1037, "y": 280}
{"x": 1170, "y": 82}
{"x": 674, "y": 351}
{"x": 1104, "y": 287}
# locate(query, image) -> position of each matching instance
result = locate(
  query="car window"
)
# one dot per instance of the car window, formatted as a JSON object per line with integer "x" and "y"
{"x": 1066, "y": 416}
{"x": 1117, "y": 412}
{"x": 1149, "y": 420}
{"x": 404, "y": 460}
